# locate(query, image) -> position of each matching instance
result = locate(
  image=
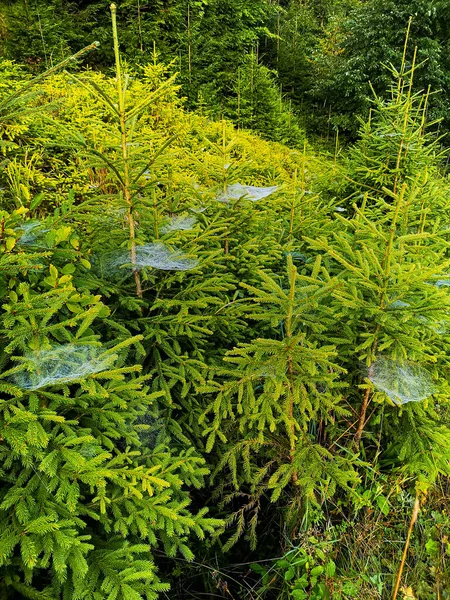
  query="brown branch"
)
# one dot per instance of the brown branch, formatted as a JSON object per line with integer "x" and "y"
{"x": 362, "y": 417}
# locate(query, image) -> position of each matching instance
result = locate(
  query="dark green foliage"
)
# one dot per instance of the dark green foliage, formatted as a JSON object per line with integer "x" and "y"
{"x": 257, "y": 104}
{"x": 371, "y": 38}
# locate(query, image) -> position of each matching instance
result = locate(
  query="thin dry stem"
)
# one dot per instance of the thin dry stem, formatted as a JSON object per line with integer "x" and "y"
{"x": 414, "y": 515}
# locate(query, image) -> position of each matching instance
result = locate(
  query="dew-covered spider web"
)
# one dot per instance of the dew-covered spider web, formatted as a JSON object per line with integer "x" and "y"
{"x": 198, "y": 209}
{"x": 154, "y": 255}
{"x": 32, "y": 233}
{"x": 398, "y": 305}
{"x": 402, "y": 382}
{"x": 151, "y": 428}
{"x": 237, "y": 191}
{"x": 440, "y": 327}
{"x": 179, "y": 223}
{"x": 445, "y": 282}
{"x": 61, "y": 364}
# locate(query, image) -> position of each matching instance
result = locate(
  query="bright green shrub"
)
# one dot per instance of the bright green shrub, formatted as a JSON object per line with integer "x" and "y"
{"x": 349, "y": 360}
{"x": 81, "y": 495}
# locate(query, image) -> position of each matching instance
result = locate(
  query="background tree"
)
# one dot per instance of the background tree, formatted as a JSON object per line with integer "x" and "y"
{"x": 368, "y": 40}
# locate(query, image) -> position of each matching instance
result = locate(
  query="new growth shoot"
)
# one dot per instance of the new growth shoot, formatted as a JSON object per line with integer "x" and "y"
{"x": 126, "y": 187}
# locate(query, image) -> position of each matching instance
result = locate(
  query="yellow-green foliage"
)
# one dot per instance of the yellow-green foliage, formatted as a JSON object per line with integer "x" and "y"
{"x": 78, "y": 110}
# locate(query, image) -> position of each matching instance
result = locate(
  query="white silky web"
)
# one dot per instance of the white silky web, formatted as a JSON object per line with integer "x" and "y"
{"x": 402, "y": 382}
{"x": 155, "y": 255}
{"x": 443, "y": 282}
{"x": 32, "y": 233}
{"x": 179, "y": 223}
{"x": 398, "y": 305}
{"x": 61, "y": 364}
{"x": 237, "y": 191}
{"x": 198, "y": 209}
{"x": 153, "y": 428}
{"x": 159, "y": 256}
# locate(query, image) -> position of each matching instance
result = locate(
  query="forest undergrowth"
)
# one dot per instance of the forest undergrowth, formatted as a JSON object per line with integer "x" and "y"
{"x": 224, "y": 362}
